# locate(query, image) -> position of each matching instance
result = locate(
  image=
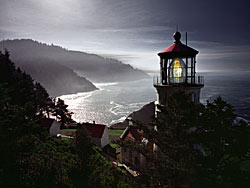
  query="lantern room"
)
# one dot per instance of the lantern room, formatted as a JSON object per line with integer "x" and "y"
{"x": 177, "y": 64}
{"x": 177, "y": 72}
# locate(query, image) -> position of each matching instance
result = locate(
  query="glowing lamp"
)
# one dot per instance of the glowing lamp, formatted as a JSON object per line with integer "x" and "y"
{"x": 177, "y": 69}
{"x": 177, "y": 72}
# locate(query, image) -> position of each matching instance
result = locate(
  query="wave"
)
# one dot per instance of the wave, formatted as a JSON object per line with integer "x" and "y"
{"x": 118, "y": 120}
{"x": 75, "y": 96}
{"x": 124, "y": 108}
{"x": 115, "y": 101}
{"x": 105, "y": 84}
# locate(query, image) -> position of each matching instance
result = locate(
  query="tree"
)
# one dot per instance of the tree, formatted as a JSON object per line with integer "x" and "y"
{"x": 83, "y": 144}
{"x": 44, "y": 103}
{"x": 30, "y": 157}
{"x": 94, "y": 169}
{"x": 198, "y": 146}
{"x": 226, "y": 147}
{"x": 173, "y": 162}
{"x": 62, "y": 113}
{"x": 22, "y": 88}
{"x": 45, "y": 161}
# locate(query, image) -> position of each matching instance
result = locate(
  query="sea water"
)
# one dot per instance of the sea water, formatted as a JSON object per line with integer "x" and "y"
{"x": 113, "y": 102}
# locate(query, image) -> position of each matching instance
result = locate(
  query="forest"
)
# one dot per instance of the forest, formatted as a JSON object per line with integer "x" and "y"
{"x": 199, "y": 145}
{"x": 30, "y": 157}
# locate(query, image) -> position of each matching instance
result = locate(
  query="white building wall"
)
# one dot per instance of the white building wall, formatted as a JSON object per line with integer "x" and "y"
{"x": 105, "y": 137}
{"x": 55, "y": 128}
{"x": 163, "y": 92}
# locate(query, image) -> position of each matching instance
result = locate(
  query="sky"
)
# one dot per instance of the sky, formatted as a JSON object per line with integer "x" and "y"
{"x": 134, "y": 31}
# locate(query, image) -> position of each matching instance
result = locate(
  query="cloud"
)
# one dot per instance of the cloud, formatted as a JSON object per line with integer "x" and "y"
{"x": 138, "y": 28}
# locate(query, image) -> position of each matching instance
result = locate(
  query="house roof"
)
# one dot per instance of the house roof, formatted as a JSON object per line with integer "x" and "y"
{"x": 133, "y": 134}
{"x": 95, "y": 130}
{"x": 46, "y": 122}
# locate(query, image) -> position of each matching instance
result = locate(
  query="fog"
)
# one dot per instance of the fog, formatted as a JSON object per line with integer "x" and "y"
{"x": 135, "y": 31}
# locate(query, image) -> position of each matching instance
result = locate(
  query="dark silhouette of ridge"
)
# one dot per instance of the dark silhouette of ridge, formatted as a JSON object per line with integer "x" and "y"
{"x": 56, "y": 78}
{"x": 94, "y": 67}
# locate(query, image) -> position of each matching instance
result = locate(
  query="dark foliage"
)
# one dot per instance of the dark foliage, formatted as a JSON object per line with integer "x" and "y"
{"x": 95, "y": 169}
{"x": 225, "y": 145}
{"x": 197, "y": 146}
{"x": 30, "y": 157}
{"x": 61, "y": 112}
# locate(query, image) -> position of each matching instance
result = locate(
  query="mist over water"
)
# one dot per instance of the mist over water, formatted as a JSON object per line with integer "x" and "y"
{"x": 113, "y": 102}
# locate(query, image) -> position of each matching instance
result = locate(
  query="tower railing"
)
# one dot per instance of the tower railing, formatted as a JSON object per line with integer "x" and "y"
{"x": 197, "y": 80}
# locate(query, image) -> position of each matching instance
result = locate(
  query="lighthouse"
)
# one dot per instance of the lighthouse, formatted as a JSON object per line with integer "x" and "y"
{"x": 177, "y": 73}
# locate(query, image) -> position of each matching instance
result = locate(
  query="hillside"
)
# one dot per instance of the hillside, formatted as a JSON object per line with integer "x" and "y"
{"x": 56, "y": 78}
{"x": 91, "y": 66}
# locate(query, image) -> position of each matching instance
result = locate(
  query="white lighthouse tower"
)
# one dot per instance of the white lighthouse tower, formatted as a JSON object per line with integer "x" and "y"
{"x": 177, "y": 72}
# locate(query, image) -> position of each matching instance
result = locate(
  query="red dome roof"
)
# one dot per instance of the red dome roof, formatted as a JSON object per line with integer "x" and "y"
{"x": 177, "y": 49}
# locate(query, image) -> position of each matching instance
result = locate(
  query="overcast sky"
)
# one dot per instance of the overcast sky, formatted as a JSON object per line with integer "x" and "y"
{"x": 136, "y": 30}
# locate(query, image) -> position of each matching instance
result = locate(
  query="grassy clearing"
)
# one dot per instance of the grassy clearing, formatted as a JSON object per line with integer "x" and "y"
{"x": 115, "y": 132}
{"x": 68, "y": 129}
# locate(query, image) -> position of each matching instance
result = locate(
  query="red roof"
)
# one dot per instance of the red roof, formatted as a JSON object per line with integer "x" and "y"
{"x": 133, "y": 134}
{"x": 178, "y": 47}
{"x": 95, "y": 130}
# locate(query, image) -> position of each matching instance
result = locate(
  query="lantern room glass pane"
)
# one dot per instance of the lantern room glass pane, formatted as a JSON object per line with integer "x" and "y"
{"x": 177, "y": 71}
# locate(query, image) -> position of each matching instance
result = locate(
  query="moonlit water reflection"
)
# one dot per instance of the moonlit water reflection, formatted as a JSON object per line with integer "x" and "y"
{"x": 113, "y": 102}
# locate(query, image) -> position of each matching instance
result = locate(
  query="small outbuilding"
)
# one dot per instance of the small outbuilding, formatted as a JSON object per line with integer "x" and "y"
{"x": 98, "y": 133}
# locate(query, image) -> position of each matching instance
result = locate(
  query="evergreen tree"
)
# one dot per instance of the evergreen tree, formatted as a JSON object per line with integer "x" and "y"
{"x": 226, "y": 147}
{"x": 30, "y": 157}
{"x": 174, "y": 161}
{"x": 45, "y": 104}
{"x": 198, "y": 146}
{"x": 61, "y": 112}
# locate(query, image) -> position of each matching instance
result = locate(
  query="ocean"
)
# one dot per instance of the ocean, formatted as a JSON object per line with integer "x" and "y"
{"x": 113, "y": 102}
